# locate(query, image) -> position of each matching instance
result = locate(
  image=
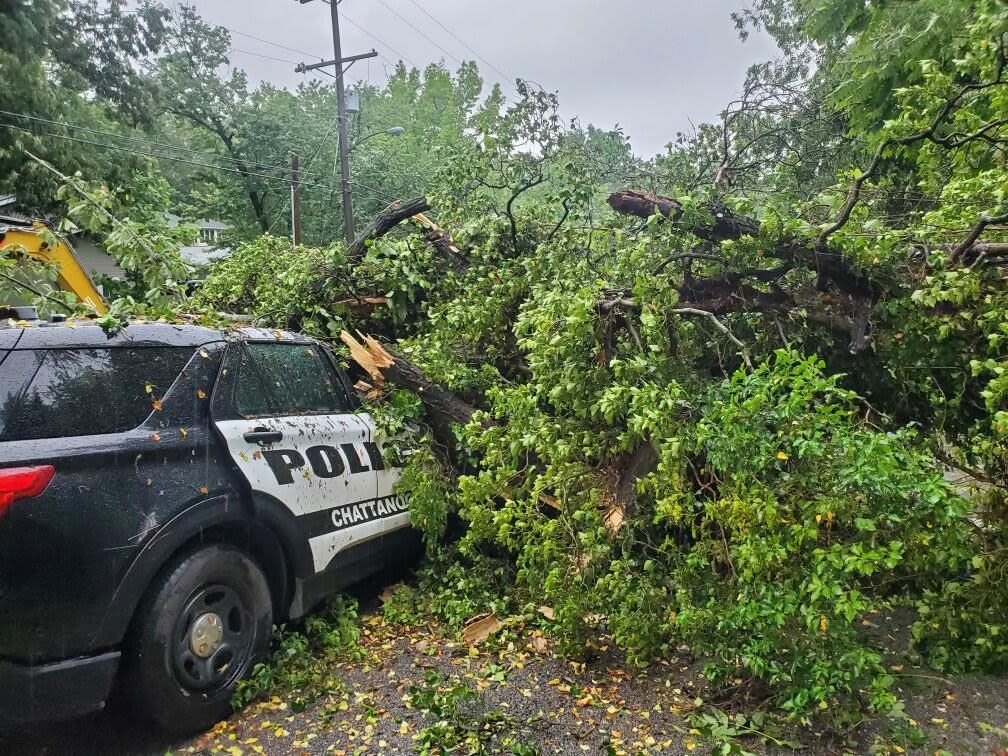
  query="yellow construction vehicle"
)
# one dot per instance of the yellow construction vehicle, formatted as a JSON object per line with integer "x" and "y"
{"x": 36, "y": 241}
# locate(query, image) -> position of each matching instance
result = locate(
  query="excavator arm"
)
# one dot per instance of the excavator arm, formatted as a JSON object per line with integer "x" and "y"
{"x": 36, "y": 241}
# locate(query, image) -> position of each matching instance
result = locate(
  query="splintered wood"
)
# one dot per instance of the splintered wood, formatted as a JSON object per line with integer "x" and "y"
{"x": 370, "y": 355}
{"x": 436, "y": 236}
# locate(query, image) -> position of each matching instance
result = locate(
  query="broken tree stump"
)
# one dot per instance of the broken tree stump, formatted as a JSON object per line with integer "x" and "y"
{"x": 444, "y": 408}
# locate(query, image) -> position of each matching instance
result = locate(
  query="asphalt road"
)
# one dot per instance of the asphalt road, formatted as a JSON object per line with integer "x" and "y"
{"x": 525, "y": 694}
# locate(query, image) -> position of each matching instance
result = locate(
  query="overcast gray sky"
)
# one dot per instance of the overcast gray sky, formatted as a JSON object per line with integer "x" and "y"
{"x": 652, "y": 66}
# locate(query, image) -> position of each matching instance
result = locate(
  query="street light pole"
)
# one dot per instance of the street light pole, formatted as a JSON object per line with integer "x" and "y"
{"x": 344, "y": 139}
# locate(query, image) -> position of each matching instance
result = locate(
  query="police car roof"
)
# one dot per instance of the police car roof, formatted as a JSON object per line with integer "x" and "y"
{"x": 87, "y": 334}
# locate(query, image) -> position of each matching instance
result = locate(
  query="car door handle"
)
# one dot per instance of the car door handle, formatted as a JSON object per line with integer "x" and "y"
{"x": 263, "y": 436}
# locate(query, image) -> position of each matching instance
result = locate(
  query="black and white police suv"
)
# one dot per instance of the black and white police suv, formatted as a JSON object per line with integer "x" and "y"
{"x": 167, "y": 493}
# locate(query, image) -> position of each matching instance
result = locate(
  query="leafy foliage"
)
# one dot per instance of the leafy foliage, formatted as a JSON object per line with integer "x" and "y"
{"x": 303, "y": 659}
{"x": 274, "y": 283}
{"x": 723, "y": 421}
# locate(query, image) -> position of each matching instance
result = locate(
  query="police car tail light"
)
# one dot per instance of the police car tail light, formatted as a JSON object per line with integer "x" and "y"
{"x": 23, "y": 482}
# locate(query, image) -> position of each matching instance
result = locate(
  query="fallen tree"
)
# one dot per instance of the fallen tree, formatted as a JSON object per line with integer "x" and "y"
{"x": 677, "y": 423}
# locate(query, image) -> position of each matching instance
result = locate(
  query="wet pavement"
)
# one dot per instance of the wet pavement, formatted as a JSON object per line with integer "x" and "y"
{"x": 523, "y": 696}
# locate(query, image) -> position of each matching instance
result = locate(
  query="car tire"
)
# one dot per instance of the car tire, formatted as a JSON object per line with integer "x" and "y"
{"x": 202, "y": 627}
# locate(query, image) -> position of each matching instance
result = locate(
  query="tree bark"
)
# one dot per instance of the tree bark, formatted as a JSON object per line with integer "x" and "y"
{"x": 384, "y": 222}
{"x": 641, "y": 463}
{"x": 726, "y": 225}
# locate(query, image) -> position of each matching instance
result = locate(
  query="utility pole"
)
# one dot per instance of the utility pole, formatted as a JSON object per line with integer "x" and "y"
{"x": 344, "y": 139}
{"x": 344, "y": 136}
{"x": 295, "y": 199}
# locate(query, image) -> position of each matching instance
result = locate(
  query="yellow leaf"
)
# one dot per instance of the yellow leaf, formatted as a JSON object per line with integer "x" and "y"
{"x": 823, "y": 624}
{"x": 149, "y": 387}
{"x": 204, "y": 490}
{"x": 404, "y": 728}
{"x": 184, "y": 432}
{"x": 782, "y": 456}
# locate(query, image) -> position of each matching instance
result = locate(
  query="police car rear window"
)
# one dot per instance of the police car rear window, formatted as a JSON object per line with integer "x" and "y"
{"x": 80, "y": 392}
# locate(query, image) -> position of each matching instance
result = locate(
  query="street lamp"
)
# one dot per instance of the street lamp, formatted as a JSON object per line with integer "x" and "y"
{"x": 394, "y": 132}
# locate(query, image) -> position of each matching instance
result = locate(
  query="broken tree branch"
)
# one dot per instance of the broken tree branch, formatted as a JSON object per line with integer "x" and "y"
{"x": 974, "y": 234}
{"x": 437, "y": 237}
{"x": 384, "y": 222}
{"x": 720, "y": 326}
{"x": 726, "y": 224}
{"x": 444, "y": 408}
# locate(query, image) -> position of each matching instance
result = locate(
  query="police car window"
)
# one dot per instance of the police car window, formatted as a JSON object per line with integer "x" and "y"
{"x": 252, "y": 396}
{"x": 80, "y": 392}
{"x": 293, "y": 379}
{"x": 16, "y": 373}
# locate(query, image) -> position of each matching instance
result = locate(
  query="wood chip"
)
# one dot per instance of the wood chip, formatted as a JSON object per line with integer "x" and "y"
{"x": 551, "y": 501}
{"x": 370, "y": 355}
{"x": 386, "y": 595}
{"x": 479, "y": 629}
{"x": 614, "y": 518}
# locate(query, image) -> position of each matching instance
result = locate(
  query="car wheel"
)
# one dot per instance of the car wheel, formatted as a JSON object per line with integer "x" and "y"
{"x": 202, "y": 627}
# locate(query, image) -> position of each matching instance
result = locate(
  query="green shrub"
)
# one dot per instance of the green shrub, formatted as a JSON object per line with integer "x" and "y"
{"x": 776, "y": 518}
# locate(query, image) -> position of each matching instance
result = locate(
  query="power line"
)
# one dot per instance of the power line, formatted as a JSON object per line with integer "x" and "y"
{"x": 260, "y": 55}
{"x": 415, "y": 28}
{"x": 308, "y": 163}
{"x": 491, "y": 66}
{"x": 376, "y": 192}
{"x": 259, "y": 167}
{"x": 163, "y": 145}
{"x": 119, "y": 148}
{"x": 269, "y": 42}
{"x": 380, "y": 41}
{"x": 144, "y": 142}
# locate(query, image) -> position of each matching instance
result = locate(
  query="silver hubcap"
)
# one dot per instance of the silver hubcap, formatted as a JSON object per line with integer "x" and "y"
{"x": 206, "y": 635}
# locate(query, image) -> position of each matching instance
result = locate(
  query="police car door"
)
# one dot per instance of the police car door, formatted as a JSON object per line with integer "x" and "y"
{"x": 288, "y": 423}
